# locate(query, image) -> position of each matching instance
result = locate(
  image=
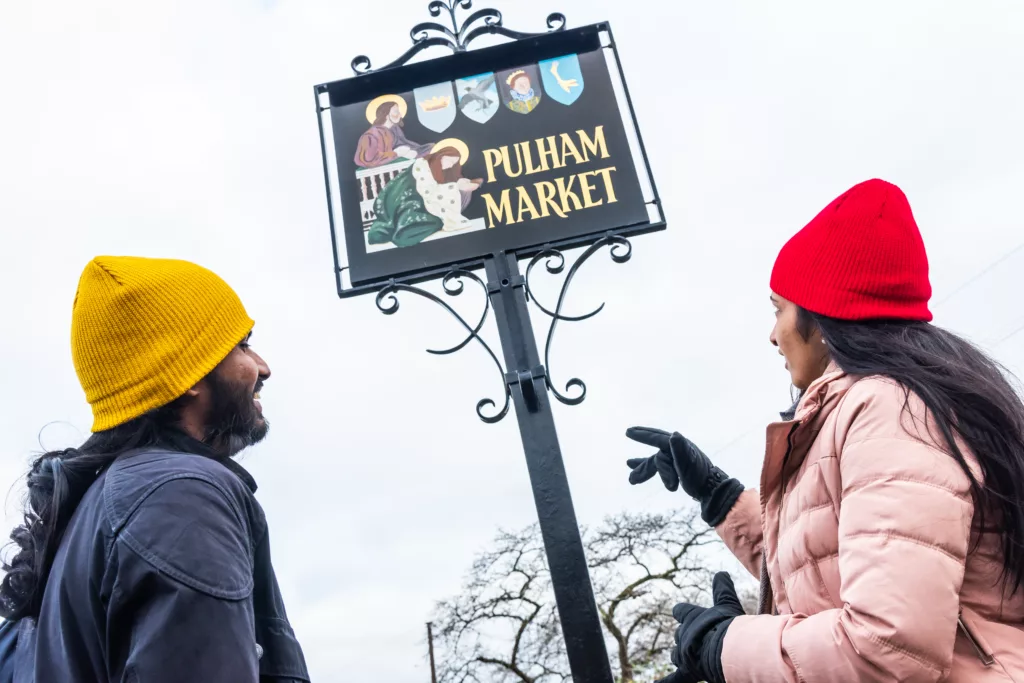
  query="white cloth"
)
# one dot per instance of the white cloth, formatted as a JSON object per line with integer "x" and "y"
{"x": 443, "y": 200}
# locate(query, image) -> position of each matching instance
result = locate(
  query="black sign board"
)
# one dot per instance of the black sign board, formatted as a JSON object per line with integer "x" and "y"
{"x": 503, "y": 149}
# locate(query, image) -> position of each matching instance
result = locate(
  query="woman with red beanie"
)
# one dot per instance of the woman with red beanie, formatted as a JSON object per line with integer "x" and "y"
{"x": 888, "y": 530}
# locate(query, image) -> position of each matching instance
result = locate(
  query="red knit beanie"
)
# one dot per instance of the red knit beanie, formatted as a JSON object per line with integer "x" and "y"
{"x": 861, "y": 258}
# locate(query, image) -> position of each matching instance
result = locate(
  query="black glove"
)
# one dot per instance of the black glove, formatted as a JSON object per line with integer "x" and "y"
{"x": 701, "y": 633}
{"x": 678, "y": 460}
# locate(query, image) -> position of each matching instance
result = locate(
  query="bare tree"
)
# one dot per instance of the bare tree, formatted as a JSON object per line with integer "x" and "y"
{"x": 748, "y": 595}
{"x": 641, "y": 565}
{"x": 503, "y": 627}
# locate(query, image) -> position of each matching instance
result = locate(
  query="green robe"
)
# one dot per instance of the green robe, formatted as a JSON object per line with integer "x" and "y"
{"x": 402, "y": 218}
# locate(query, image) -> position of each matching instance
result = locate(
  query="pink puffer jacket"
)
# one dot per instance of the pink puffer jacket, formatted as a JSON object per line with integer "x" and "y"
{"x": 862, "y": 529}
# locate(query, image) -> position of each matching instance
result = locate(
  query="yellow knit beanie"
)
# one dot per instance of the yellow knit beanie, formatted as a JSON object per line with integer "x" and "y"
{"x": 144, "y": 331}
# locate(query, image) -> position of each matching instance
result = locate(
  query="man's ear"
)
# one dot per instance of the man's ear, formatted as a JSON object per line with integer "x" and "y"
{"x": 194, "y": 391}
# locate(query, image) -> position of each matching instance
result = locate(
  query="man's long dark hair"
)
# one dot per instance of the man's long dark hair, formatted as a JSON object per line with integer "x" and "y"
{"x": 57, "y": 482}
{"x": 970, "y": 397}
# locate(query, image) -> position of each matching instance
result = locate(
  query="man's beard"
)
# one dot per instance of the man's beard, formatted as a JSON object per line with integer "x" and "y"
{"x": 234, "y": 423}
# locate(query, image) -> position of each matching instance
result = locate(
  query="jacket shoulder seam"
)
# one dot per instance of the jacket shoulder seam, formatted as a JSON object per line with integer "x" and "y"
{"x": 905, "y": 437}
{"x": 917, "y": 480}
{"x": 966, "y": 497}
{"x": 155, "y": 561}
{"x": 119, "y": 520}
{"x": 907, "y": 539}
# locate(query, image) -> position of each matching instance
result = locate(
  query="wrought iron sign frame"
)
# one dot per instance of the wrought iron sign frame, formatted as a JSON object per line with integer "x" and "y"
{"x": 480, "y": 23}
{"x": 526, "y": 376}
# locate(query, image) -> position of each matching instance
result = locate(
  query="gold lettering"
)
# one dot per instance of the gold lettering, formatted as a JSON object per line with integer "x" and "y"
{"x": 546, "y": 194}
{"x": 492, "y": 157}
{"x": 526, "y": 204}
{"x": 586, "y": 188}
{"x": 528, "y": 157}
{"x": 565, "y": 193}
{"x": 569, "y": 147}
{"x": 499, "y": 210}
{"x": 550, "y": 151}
{"x": 595, "y": 145}
{"x": 507, "y": 162}
{"x": 609, "y": 189}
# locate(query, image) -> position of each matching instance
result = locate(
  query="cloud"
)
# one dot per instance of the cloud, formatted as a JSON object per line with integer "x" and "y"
{"x": 187, "y": 130}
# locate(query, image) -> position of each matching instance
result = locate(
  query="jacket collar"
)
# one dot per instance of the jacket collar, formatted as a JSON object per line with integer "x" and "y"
{"x": 822, "y": 394}
{"x": 179, "y": 441}
{"x": 788, "y": 441}
{"x": 239, "y": 472}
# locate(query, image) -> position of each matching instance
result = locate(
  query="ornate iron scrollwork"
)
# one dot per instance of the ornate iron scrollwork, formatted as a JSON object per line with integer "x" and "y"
{"x": 621, "y": 251}
{"x": 459, "y": 36}
{"x": 453, "y": 285}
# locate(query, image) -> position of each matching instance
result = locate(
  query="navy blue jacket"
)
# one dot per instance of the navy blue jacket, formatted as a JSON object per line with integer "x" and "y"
{"x": 163, "y": 576}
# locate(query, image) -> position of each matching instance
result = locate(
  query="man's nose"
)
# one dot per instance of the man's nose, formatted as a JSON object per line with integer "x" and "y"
{"x": 262, "y": 367}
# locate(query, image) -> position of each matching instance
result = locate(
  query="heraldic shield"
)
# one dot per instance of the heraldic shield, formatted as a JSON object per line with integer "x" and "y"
{"x": 436, "y": 106}
{"x": 563, "y": 78}
{"x": 520, "y": 89}
{"x": 478, "y": 97}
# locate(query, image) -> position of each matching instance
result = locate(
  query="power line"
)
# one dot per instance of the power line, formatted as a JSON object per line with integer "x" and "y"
{"x": 980, "y": 274}
{"x": 1012, "y": 334}
{"x": 758, "y": 427}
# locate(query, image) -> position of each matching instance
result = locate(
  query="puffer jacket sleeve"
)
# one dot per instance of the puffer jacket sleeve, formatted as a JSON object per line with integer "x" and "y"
{"x": 904, "y": 531}
{"x": 741, "y": 531}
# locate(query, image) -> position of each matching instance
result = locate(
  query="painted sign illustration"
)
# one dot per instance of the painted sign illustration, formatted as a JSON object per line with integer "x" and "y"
{"x": 385, "y": 142}
{"x": 426, "y": 200}
{"x": 521, "y": 89}
{"x": 478, "y": 97}
{"x": 475, "y": 161}
{"x": 436, "y": 106}
{"x": 562, "y": 78}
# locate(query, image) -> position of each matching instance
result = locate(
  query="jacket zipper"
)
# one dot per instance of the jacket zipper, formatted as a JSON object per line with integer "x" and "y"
{"x": 986, "y": 658}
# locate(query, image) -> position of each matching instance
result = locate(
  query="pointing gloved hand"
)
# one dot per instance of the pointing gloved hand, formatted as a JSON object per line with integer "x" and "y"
{"x": 701, "y": 634}
{"x": 679, "y": 461}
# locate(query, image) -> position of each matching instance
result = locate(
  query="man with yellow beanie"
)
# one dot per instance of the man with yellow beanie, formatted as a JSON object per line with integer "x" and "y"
{"x": 144, "y": 555}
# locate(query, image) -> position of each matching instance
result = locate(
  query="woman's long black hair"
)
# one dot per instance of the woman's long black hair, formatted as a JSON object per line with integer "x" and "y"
{"x": 969, "y": 395}
{"x": 57, "y": 482}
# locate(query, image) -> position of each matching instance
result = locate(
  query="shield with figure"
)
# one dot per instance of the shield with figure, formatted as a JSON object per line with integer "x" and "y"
{"x": 478, "y": 97}
{"x": 520, "y": 89}
{"x": 436, "y": 106}
{"x": 563, "y": 78}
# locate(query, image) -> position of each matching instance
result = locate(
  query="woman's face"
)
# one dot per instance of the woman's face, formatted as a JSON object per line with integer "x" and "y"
{"x": 448, "y": 162}
{"x": 806, "y": 359}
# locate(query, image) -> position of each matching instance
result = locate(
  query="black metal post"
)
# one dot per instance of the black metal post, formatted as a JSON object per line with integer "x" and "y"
{"x": 574, "y": 594}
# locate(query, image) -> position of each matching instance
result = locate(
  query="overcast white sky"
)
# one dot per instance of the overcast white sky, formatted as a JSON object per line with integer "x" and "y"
{"x": 186, "y": 129}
